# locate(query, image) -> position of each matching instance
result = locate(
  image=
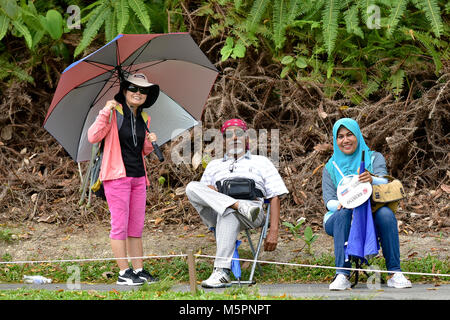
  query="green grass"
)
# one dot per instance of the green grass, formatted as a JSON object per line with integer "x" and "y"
{"x": 6, "y": 235}
{"x": 158, "y": 291}
{"x": 175, "y": 271}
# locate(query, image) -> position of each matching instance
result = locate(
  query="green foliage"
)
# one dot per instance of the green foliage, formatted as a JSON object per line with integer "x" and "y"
{"x": 53, "y": 24}
{"x": 396, "y": 81}
{"x": 397, "y": 11}
{"x": 284, "y": 14}
{"x": 41, "y": 33}
{"x": 279, "y": 22}
{"x": 24, "y": 21}
{"x": 352, "y": 21}
{"x": 294, "y": 229}
{"x": 308, "y": 235}
{"x": 291, "y": 63}
{"x": 96, "y": 20}
{"x": 42, "y": 25}
{"x": 6, "y": 235}
{"x": 123, "y": 16}
{"x": 354, "y": 47}
{"x": 11, "y": 70}
{"x": 234, "y": 50}
{"x": 330, "y": 24}
{"x": 343, "y": 45}
{"x": 255, "y": 15}
{"x": 433, "y": 14}
{"x": 161, "y": 180}
{"x": 140, "y": 10}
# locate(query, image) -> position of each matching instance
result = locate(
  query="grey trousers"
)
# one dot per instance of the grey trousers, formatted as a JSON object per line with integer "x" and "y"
{"x": 214, "y": 209}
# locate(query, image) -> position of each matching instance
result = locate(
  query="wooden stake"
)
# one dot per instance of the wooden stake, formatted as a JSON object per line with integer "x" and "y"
{"x": 192, "y": 274}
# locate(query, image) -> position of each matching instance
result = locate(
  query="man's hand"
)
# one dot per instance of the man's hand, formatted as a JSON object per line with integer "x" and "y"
{"x": 212, "y": 187}
{"x": 271, "y": 241}
{"x": 272, "y": 236}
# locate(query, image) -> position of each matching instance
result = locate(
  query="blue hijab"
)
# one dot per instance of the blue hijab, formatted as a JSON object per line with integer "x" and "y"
{"x": 349, "y": 164}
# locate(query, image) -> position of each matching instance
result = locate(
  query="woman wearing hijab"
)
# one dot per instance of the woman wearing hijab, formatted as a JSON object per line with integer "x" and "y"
{"x": 348, "y": 144}
{"x": 123, "y": 171}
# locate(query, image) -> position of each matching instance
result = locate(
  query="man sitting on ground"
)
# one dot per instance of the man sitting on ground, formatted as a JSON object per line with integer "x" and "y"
{"x": 230, "y": 215}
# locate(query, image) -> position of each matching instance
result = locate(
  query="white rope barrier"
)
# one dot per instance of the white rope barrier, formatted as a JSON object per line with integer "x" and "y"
{"x": 326, "y": 267}
{"x": 215, "y": 257}
{"x": 90, "y": 259}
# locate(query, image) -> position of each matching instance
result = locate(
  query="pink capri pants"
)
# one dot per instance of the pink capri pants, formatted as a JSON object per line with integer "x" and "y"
{"x": 126, "y": 199}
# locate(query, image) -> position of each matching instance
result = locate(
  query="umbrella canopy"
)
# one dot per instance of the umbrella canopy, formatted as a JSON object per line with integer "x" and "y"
{"x": 362, "y": 240}
{"x": 173, "y": 61}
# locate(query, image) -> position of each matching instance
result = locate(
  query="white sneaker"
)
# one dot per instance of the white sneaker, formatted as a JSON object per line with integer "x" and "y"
{"x": 340, "y": 283}
{"x": 248, "y": 210}
{"x": 399, "y": 281}
{"x": 218, "y": 279}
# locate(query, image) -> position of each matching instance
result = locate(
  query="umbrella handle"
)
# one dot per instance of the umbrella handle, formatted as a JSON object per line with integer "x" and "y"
{"x": 156, "y": 148}
{"x": 158, "y": 152}
{"x": 362, "y": 166}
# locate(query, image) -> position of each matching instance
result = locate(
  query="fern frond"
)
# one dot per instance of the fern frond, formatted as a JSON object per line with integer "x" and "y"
{"x": 255, "y": 15}
{"x": 295, "y": 9}
{"x": 396, "y": 81}
{"x": 23, "y": 30}
{"x": 371, "y": 87}
{"x": 315, "y": 5}
{"x": 237, "y": 4}
{"x": 279, "y": 22}
{"x": 330, "y": 17}
{"x": 141, "y": 12}
{"x": 433, "y": 14}
{"x": 396, "y": 12}
{"x": 428, "y": 42}
{"x": 4, "y": 24}
{"x": 10, "y": 70}
{"x": 352, "y": 21}
{"x": 110, "y": 25}
{"x": 94, "y": 24}
{"x": 364, "y": 5}
{"x": 216, "y": 29}
{"x": 22, "y": 75}
{"x": 85, "y": 17}
{"x": 122, "y": 15}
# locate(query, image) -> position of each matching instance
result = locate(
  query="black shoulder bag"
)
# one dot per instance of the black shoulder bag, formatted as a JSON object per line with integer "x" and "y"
{"x": 239, "y": 188}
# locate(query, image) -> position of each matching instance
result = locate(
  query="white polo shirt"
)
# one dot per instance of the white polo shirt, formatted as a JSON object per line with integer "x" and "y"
{"x": 250, "y": 166}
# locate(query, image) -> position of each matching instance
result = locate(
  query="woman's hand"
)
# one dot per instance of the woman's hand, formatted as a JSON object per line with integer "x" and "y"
{"x": 151, "y": 137}
{"x": 111, "y": 104}
{"x": 365, "y": 177}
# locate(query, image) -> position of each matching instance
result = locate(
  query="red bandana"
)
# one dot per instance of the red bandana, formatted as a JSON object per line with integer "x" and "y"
{"x": 233, "y": 122}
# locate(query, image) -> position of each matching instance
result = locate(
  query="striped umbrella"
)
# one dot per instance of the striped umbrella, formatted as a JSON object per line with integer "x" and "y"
{"x": 173, "y": 61}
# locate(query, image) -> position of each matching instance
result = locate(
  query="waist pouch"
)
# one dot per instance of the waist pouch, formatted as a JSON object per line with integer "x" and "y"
{"x": 239, "y": 188}
{"x": 388, "y": 194}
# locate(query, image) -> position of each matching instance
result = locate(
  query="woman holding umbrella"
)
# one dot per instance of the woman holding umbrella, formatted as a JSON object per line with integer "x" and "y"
{"x": 123, "y": 171}
{"x": 348, "y": 144}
